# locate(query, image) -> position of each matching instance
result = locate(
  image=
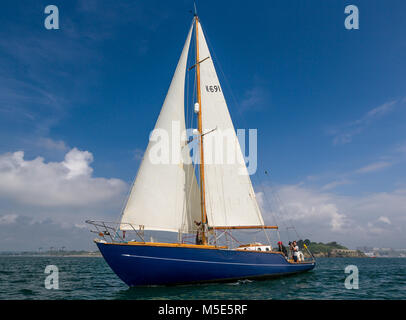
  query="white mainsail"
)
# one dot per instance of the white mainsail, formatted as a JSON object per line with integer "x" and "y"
{"x": 230, "y": 198}
{"x": 165, "y": 196}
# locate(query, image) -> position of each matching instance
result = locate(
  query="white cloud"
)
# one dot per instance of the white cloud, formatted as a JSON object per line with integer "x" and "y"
{"x": 334, "y": 184}
{"x": 254, "y": 99}
{"x": 46, "y": 203}
{"x": 48, "y": 143}
{"x": 27, "y": 233}
{"x": 8, "y": 219}
{"x": 376, "y": 218}
{"x": 56, "y": 184}
{"x": 306, "y": 205}
{"x": 378, "y": 111}
{"x": 374, "y": 167}
{"x": 77, "y": 163}
{"x": 67, "y": 193}
{"x": 343, "y": 134}
{"x": 384, "y": 219}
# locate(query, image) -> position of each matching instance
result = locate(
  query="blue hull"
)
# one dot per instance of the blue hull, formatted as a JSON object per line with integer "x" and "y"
{"x": 143, "y": 265}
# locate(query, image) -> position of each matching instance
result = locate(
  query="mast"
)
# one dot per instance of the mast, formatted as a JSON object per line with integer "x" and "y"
{"x": 199, "y": 100}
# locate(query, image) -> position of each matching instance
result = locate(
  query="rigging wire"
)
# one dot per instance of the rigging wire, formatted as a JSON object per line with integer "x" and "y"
{"x": 119, "y": 220}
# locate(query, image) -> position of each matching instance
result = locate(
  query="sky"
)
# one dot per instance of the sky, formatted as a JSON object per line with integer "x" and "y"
{"x": 77, "y": 105}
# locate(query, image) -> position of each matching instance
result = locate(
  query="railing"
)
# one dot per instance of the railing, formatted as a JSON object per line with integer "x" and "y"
{"x": 305, "y": 258}
{"x": 110, "y": 230}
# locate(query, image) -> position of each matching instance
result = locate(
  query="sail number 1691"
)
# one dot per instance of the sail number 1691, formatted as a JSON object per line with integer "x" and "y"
{"x": 214, "y": 88}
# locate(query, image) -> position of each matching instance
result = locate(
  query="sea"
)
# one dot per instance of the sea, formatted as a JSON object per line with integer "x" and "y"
{"x": 85, "y": 278}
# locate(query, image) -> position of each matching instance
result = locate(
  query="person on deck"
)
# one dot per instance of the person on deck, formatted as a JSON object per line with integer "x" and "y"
{"x": 199, "y": 239}
{"x": 290, "y": 250}
{"x": 282, "y": 248}
{"x": 295, "y": 251}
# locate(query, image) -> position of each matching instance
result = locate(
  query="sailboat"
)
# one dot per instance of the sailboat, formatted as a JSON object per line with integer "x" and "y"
{"x": 169, "y": 197}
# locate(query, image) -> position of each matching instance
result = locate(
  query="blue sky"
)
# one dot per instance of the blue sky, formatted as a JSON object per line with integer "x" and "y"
{"x": 329, "y": 104}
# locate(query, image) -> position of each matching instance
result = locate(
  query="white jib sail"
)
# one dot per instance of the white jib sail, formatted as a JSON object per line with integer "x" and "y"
{"x": 230, "y": 198}
{"x": 165, "y": 196}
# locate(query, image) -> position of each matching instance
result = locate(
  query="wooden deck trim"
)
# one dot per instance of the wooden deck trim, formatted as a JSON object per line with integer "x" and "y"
{"x": 244, "y": 227}
{"x": 171, "y": 245}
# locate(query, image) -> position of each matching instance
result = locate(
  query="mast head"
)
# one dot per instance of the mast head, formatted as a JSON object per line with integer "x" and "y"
{"x": 195, "y": 10}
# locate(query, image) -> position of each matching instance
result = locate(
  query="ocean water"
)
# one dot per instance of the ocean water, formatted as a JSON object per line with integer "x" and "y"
{"x": 91, "y": 278}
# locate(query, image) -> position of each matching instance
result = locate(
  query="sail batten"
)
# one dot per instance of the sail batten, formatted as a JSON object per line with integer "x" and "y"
{"x": 165, "y": 196}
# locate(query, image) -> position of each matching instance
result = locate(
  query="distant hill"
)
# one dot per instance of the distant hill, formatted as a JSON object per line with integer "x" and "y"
{"x": 320, "y": 247}
{"x": 330, "y": 249}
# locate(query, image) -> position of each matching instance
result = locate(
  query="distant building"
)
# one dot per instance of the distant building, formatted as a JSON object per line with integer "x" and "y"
{"x": 370, "y": 254}
{"x": 346, "y": 253}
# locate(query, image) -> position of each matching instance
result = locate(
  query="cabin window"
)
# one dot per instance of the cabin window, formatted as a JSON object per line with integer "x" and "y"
{"x": 267, "y": 249}
{"x": 259, "y": 249}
